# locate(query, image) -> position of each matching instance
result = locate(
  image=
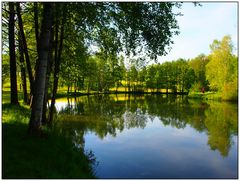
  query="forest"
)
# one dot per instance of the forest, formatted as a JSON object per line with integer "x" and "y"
{"x": 58, "y": 49}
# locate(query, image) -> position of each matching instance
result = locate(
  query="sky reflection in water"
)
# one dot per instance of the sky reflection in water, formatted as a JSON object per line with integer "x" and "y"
{"x": 154, "y": 136}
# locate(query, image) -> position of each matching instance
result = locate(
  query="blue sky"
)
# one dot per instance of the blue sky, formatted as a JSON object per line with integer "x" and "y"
{"x": 199, "y": 26}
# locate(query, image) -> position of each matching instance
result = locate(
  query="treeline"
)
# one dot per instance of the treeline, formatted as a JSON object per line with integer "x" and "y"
{"x": 216, "y": 72}
{"x": 104, "y": 74}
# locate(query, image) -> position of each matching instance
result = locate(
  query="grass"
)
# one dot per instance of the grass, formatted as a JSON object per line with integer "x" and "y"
{"x": 50, "y": 156}
{"x": 205, "y": 96}
{"x": 5, "y": 96}
{"x": 210, "y": 96}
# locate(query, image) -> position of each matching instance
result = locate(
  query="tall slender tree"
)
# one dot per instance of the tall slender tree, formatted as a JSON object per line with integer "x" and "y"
{"x": 25, "y": 48}
{"x": 49, "y": 71}
{"x": 58, "y": 53}
{"x": 23, "y": 71}
{"x": 35, "y": 6}
{"x": 13, "y": 67}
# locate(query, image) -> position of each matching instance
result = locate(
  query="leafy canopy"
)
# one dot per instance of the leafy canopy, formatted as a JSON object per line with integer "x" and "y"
{"x": 126, "y": 26}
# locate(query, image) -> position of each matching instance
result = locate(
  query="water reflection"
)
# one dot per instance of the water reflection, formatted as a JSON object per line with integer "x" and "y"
{"x": 108, "y": 114}
{"x": 111, "y": 115}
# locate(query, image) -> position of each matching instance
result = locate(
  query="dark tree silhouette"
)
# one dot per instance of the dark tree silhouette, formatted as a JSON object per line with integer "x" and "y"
{"x": 13, "y": 67}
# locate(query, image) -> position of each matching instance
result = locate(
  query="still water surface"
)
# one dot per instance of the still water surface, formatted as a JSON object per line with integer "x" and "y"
{"x": 154, "y": 136}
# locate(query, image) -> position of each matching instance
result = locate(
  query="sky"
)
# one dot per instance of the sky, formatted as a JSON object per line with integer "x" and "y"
{"x": 199, "y": 26}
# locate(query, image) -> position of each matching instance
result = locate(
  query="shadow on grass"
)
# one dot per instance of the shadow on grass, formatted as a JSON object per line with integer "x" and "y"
{"x": 49, "y": 156}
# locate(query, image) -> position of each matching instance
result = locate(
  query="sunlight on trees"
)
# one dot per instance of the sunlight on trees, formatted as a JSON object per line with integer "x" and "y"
{"x": 221, "y": 71}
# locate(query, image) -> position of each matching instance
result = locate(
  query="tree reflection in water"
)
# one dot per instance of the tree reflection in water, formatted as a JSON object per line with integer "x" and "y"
{"x": 111, "y": 114}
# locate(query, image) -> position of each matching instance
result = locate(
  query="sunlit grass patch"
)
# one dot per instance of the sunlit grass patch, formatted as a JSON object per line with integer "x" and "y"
{"x": 15, "y": 113}
{"x": 5, "y": 97}
{"x": 206, "y": 95}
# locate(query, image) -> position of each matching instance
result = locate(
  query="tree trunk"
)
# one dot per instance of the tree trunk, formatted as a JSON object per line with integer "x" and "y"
{"x": 68, "y": 88}
{"x": 13, "y": 67}
{"x": 88, "y": 87}
{"x": 49, "y": 69}
{"x": 167, "y": 87}
{"x": 183, "y": 86}
{"x": 129, "y": 86}
{"x": 57, "y": 65}
{"x": 41, "y": 71}
{"x": 125, "y": 86}
{"x": 51, "y": 110}
{"x": 25, "y": 49}
{"x": 117, "y": 86}
{"x": 75, "y": 88}
{"x": 36, "y": 25}
{"x": 23, "y": 71}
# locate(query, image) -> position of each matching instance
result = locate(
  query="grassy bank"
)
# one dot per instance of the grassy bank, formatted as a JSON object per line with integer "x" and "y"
{"x": 49, "y": 156}
{"x": 210, "y": 96}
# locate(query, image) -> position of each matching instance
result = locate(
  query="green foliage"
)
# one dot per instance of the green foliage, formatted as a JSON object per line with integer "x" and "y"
{"x": 112, "y": 27}
{"x": 181, "y": 71}
{"x": 222, "y": 68}
{"x": 5, "y": 68}
{"x": 230, "y": 90}
{"x": 124, "y": 26}
{"x": 74, "y": 58}
{"x": 189, "y": 79}
{"x": 150, "y": 82}
{"x": 198, "y": 64}
{"x": 106, "y": 71}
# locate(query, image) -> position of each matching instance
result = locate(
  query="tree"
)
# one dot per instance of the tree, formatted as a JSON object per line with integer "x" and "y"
{"x": 189, "y": 79}
{"x": 5, "y": 43}
{"x": 221, "y": 71}
{"x": 141, "y": 77}
{"x": 58, "y": 53}
{"x": 149, "y": 78}
{"x": 39, "y": 86}
{"x": 133, "y": 74}
{"x": 167, "y": 72}
{"x": 91, "y": 74}
{"x": 159, "y": 77}
{"x": 119, "y": 72}
{"x": 25, "y": 47}
{"x": 13, "y": 67}
{"x": 5, "y": 68}
{"x": 198, "y": 64}
{"x": 73, "y": 67}
{"x": 36, "y": 24}
{"x": 23, "y": 72}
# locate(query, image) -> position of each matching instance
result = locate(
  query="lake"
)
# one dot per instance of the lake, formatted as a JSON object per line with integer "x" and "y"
{"x": 153, "y": 136}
